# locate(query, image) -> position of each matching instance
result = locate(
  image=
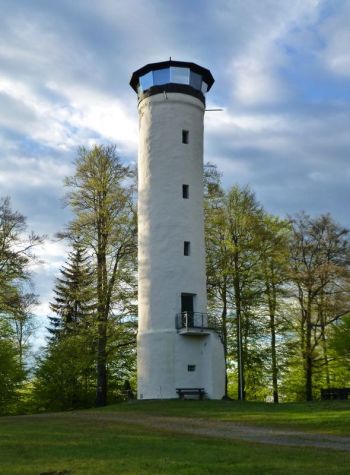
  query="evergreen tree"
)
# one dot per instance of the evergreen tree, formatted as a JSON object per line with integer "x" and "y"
{"x": 74, "y": 302}
{"x": 65, "y": 374}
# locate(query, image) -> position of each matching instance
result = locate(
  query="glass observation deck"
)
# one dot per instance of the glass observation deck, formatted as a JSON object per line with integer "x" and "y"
{"x": 172, "y": 76}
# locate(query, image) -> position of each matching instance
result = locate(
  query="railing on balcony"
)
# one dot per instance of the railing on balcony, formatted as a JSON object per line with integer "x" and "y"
{"x": 197, "y": 321}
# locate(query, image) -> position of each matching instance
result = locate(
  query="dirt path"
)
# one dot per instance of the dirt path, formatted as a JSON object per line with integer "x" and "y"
{"x": 224, "y": 429}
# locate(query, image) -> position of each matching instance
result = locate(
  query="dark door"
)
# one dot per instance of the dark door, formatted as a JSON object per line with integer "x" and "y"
{"x": 187, "y": 303}
{"x": 187, "y": 310}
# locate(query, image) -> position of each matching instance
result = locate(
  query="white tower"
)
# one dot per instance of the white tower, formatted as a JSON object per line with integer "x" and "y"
{"x": 178, "y": 346}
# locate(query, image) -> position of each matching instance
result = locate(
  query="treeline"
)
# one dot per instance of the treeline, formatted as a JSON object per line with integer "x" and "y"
{"x": 90, "y": 353}
{"x": 280, "y": 288}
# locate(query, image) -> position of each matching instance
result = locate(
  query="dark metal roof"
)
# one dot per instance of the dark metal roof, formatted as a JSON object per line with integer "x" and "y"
{"x": 205, "y": 73}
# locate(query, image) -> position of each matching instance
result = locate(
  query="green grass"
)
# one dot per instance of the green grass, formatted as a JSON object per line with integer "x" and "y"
{"x": 30, "y": 445}
{"x": 329, "y": 417}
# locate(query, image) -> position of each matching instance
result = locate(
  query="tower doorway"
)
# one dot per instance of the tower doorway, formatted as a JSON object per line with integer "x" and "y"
{"x": 187, "y": 310}
{"x": 187, "y": 304}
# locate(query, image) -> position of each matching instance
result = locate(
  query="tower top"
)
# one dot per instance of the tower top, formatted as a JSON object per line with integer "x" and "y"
{"x": 172, "y": 76}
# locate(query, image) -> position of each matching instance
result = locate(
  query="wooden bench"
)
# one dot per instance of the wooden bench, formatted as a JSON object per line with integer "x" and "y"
{"x": 335, "y": 393}
{"x": 182, "y": 392}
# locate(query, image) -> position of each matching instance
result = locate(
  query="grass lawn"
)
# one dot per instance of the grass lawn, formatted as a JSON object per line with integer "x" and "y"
{"x": 31, "y": 445}
{"x": 328, "y": 417}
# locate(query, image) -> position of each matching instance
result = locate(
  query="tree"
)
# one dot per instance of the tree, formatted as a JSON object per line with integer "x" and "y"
{"x": 16, "y": 302}
{"x": 16, "y": 255}
{"x": 102, "y": 201}
{"x": 320, "y": 256}
{"x": 242, "y": 217}
{"x": 65, "y": 374}
{"x": 274, "y": 266}
{"x": 232, "y": 227}
{"x": 74, "y": 302}
{"x": 11, "y": 372}
{"x": 218, "y": 277}
{"x": 23, "y": 322}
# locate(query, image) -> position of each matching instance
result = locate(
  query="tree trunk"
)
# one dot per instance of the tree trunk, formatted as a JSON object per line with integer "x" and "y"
{"x": 101, "y": 387}
{"x": 236, "y": 285}
{"x": 224, "y": 335}
{"x": 101, "y": 390}
{"x": 272, "y": 308}
{"x": 325, "y": 357}
{"x": 322, "y": 319}
{"x": 308, "y": 353}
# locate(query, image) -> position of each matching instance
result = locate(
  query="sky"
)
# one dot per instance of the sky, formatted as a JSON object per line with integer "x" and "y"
{"x": 282, "y": 78}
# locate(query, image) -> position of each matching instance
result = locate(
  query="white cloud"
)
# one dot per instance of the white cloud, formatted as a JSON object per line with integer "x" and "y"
{"x": 255, "y": 67}
{"x": 336, "y": 36}
{"x": 224, "y": 121}
{"x": 29, "y": 172}
{"x": 101, "y": 113}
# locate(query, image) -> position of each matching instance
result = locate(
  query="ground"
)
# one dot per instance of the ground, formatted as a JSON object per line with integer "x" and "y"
{"x": 182, "y": 437}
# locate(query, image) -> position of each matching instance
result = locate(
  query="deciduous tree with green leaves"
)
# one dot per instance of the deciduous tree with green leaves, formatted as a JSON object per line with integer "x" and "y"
{"x": 16, "y": 297}
{"x": 100, "y": 195}
{"x": 274, "y": 267}
{"x": 320, "y": 257}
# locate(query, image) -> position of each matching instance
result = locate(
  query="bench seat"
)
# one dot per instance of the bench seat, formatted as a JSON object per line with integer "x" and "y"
{"x": 335, "y": 393}
{"x": 182, "y": 392}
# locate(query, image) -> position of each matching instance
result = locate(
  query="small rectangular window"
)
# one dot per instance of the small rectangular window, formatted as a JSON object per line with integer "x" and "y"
{"x": 185, "y": 134}
{"x": 191, "y": 367}
{"x": 185, "y": 191}
{"x": 187, "y": 248}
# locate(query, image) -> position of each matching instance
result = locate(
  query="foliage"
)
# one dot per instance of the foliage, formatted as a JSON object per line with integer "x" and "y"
{"x": 11, "y": 372}
{"x": 233, "y": 221}
{"x": 16, "y": 301}
{"x": 65, "y": 375}
{"x": 74, "y": 301}
{"x": 340, "y": 339}
{"x": 319, "y": 270}
{"x": 105, "y": 221}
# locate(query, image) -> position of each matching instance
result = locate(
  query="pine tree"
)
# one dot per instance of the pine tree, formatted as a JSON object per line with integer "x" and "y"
{"x": 65, "y": 375}
{"x": 74, "y": 300}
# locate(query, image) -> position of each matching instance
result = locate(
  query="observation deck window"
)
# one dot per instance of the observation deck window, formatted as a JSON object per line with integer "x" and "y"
{"x": 172, "y": 75}
{"x": 180, "y": 75}
{"x": 195, "y": 80}
{"x": 161, "y": 76}
{"x": 146, "y": 81}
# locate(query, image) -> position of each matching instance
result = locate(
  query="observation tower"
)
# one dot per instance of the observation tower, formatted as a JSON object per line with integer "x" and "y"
{"x": 178, "y": 343}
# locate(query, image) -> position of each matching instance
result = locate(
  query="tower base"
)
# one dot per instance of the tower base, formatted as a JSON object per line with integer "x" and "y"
{"x": 167, "y": 360}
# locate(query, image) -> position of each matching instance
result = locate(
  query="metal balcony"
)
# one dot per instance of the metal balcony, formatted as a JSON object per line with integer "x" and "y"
{"x": 197, "y": 324}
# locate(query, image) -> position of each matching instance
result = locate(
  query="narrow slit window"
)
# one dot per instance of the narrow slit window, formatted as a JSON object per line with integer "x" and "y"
{"x": 185, "y": 135}
{"x": 185, "y": 191}
{"x": 191, "y": 367}
{"x": 187, "y": 248}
